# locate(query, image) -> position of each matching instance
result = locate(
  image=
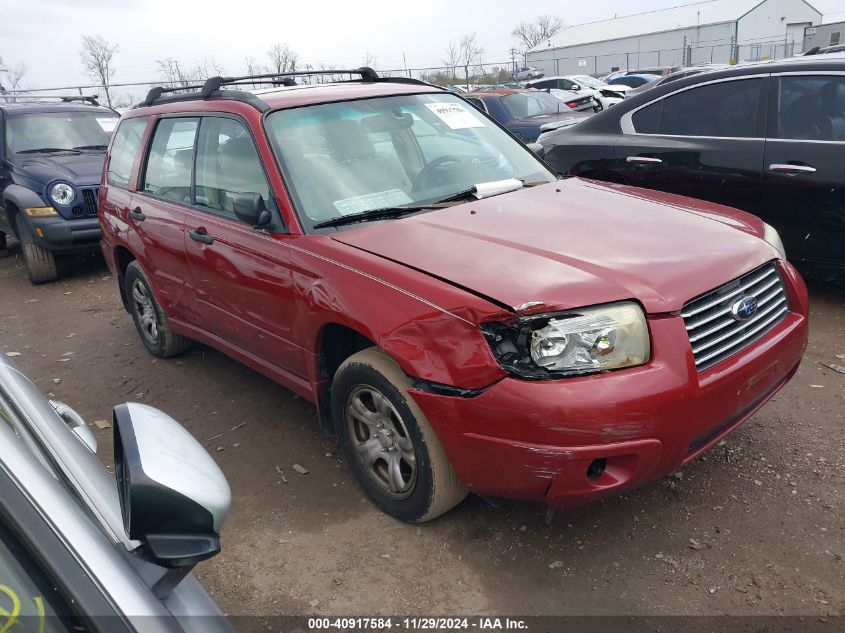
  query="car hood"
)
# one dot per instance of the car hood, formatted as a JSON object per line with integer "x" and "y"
{"x": 84, "y": 168}
{"x": 575, "y": 243}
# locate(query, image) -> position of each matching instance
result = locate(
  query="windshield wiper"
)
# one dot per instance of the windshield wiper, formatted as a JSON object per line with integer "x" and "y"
{"x": 91, "y": 147}
{"x": 46, "y": 150}
{"x": 481, "y": 190}
{"x": 373, "y": 214}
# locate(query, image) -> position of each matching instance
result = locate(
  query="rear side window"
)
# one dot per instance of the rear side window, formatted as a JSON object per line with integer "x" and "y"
{"x": 727, "y": 109}
{"x": 170, "y": 163}
{"x": 227, "y": 165}
{"x": 124, "y": 149}
{"x": 647, "y": 120}
{"x": 812, "y": 108}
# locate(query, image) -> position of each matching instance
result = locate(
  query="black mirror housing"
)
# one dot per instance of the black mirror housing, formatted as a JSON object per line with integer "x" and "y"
{"x": 250, "y": 209}
{"x": 173, "y": 497}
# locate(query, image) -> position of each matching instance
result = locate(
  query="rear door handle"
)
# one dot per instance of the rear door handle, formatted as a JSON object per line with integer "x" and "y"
{"x": 200, "y": 235}
{"x": 643, "y": 160}
{"x": 791, "y": 170}
{"x": 136, "y": 213}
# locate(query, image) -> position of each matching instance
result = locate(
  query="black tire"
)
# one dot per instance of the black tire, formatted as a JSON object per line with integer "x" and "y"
{"x": 432, "y": 485}
{"x": 40, "y": 263}
{"x": 150, "y": 320}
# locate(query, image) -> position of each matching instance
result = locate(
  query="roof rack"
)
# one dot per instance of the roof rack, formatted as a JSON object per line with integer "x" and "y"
{"x": 91, "y": 99}
{"x": 213, "y": 86}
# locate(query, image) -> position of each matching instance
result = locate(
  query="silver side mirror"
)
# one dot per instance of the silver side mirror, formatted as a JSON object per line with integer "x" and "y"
{"x": 173, "y": 497}
{"x": 82, "y": 431}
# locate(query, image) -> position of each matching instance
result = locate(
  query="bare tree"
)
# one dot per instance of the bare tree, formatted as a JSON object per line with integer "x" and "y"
{"x": 470, "y": 53}
{"x": 98, "y": 61}
{"x": 370, "y": 60}
{"x": 282, "y": 58}
{"x": 15, "y": 75}
{"x": 205, "y": 68}
{"x": 174, "y": 73}
{"x": 252, "y": 66}
{"x": 2, "y": 69}
{"x": 453, "y": 58}
{"x": 532, "y": 34}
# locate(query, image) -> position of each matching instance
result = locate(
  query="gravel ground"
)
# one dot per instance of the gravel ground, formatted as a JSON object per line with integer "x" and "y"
{"x": 754, "y": 527}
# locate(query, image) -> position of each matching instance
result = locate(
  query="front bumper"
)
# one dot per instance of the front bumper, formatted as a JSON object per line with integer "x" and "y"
{"x": 60, "y": 235}
{"x": 536, "y": 440}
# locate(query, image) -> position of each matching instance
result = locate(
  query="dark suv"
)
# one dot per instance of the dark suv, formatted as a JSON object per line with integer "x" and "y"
{"x": 51, "y": 158}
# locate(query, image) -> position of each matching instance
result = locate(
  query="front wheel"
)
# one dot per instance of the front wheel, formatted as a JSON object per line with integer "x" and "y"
{"x": 40, "y": 263}
{"x": 388, "y": 441}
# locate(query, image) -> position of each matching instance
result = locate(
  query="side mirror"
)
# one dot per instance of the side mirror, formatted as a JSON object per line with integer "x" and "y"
{"x": 536, "y": 148}
{"x": 250, "y": 209}
{"x": 173, "y": 497}
{"x": 575, "y": 87}
{"x": 82, "y": 431}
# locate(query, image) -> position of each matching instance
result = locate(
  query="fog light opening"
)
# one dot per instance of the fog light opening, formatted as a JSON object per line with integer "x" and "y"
{"x": 596, "y": 468}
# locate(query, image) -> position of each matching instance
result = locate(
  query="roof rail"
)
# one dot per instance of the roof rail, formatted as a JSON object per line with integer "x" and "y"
{"x": 91, "y": 99}
{"x": 213, "y": 86}
{"x": 215, "y": 83}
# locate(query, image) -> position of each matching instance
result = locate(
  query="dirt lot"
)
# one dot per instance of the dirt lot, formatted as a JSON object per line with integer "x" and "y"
{"x": 754, "y": 527}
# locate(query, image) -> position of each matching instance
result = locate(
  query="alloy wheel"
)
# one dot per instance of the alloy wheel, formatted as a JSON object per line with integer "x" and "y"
{"x": 380, "y": 441}
{"x": 147, "y": 317}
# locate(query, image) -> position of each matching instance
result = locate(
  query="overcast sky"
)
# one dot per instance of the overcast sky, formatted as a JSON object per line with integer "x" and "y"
{"x": 46, "y": 34}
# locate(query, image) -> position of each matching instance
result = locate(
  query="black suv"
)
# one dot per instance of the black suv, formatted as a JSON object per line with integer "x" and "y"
{"x": 768, "y": 138}
{"x": 51, "y": 162}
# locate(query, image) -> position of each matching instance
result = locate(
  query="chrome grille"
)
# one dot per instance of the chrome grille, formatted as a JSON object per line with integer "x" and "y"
{"x": 89, "y": 199}
{"x": 715, "y": 333}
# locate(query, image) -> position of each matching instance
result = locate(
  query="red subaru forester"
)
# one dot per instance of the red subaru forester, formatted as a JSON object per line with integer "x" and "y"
{"x": 463, "y": 320}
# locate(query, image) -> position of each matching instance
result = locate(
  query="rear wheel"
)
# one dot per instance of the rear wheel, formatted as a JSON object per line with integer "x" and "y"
{"x": 4, "y": 246}
{"x": 150, "y": 320}
{"x": 40, "y": 263}
{"x": 388, "y": 441}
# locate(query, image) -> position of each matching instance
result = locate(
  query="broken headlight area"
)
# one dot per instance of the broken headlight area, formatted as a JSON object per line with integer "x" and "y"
{"x": 575, "y": 342}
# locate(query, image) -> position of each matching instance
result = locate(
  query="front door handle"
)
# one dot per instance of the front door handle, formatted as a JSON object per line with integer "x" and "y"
{"x": 200, "y": 235}
{"x": 791, "y": 170}
{"x": 136, "y": 213}
{"x": 643, "y": 160}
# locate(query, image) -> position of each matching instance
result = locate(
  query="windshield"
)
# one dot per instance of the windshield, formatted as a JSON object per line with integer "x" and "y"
{"x": 352, "y": 157}
{"x": 524, "y": 104}
{"x": 52, "y": 131}
{"x": 590, "y": 82}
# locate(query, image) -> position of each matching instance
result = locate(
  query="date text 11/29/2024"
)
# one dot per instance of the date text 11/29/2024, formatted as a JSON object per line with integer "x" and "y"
{"x": 417, "y": 624}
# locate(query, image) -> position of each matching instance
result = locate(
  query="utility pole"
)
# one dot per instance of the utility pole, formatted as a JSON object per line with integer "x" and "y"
{"x": 684, "y": 52}
{"x": 405, "y": 61}
{"x": 514, "y": 53}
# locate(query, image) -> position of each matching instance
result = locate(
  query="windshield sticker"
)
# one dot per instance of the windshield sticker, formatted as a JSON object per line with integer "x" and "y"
{"x": 455, "y": 115}
{"x": 378, "y": 200}
{"x": 108, "y": 123}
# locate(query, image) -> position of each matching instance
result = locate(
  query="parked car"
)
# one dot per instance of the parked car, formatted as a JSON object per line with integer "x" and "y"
{"x": 653, "y": 70}
{"x": 462, "y": 322}
{"x": 51, "y": 158}
{"x": 717, "y": 136}
{"x": 525, "y": 112}
{"x": 80, "y": 551}
{"x": 633, "y": 81}
{"x": 605, "y": 97}
{"x": 825, "y": 50}
{"x": 526, "y": 73}
{"x": 686, "y": 72}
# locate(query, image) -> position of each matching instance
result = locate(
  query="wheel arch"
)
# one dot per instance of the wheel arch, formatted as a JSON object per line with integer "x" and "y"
{"x": 19, "y": 197}
{"x": 123, "y": 257}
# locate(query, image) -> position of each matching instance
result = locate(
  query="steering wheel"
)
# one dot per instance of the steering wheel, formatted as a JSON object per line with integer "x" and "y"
{"x": 422, "y": 178}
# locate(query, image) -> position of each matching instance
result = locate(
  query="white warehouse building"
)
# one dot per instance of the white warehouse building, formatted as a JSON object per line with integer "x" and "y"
{"x": 716, "y": 31}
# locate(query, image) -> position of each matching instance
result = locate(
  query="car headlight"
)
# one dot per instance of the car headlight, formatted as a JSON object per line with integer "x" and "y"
{"x": 62, "y": 194}
{"x": 606, "y": 337}
{"x": 773, "y": 237}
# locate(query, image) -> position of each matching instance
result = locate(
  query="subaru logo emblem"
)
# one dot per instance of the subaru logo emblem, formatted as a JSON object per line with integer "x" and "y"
{"x": 744, "y": 308}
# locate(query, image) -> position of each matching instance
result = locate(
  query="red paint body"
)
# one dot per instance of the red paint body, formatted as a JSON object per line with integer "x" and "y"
{"x": 420, "y": 286}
